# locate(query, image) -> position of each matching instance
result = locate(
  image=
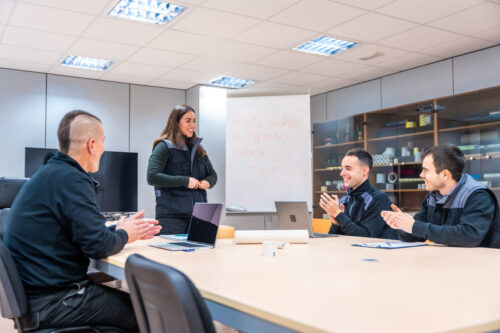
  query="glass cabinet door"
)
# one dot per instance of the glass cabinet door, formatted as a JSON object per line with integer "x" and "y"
{"x": 472, "y": 123}
{"x": 331, "y": 141}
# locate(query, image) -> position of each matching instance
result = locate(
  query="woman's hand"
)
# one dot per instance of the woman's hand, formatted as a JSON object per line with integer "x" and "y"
{"x": 193, "y": 183}
{"x": 204, "y": 185}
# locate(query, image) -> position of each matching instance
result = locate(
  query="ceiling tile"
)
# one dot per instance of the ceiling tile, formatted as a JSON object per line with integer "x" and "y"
{"x": 470, "y": 21}
{"x": 189, "y": 76}
{"x": 214, "y": 23}
{"x": 333, "y": 84}
{"x": 366, "y": 4}
{"x": 122, "y": 31}
{"x": 299, "y": 78}
{"x": 269, "y": 89}
{"x": 457, "y": 47}
{"x": 129, "y": 68}
{"x": 257, "y": 73}
{"x": 367, "y": 73}
{"x": 332, "y": 67}
{"x": 160, "y": 58}
{"x": 25, "y": 66}
{"x": 275, "y": 35}
{"x": 6, "y": 7}
{"x": 16, "y": 53}
{"x": 103, "y": 50}
{"x": 240, "y": 51}
{"x": 375, "y": 53}
{"x": 371, "y": 27}
{"x": 317, "y": 15}
{"x": 37, "y": 39}
{"x": 316, "y": 91}
{"x": 185, "y": 42}
{"x": 419, "y": 38}
{"x": 492, "y": 35}
{"x": 288, "y": 60}
{"x": 261, "y": 9}
{"x": 50, "y": 19}
{"x": 424, "y": 11}
{"x": 125, "y": 78}
{"x": 83, "y": 6}
{"x": 77, "y": 72}
{"x": 172, "y": 84}
{"x": 211, "y": 64}
{"x": 409, "y": 61}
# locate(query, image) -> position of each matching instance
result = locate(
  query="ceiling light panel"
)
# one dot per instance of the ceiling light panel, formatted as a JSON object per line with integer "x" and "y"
{"x": 231, "y": 82}
{"x": 325, "y": 45}
{"x": 86, "y": 63}
{"x": 150, "y": 11}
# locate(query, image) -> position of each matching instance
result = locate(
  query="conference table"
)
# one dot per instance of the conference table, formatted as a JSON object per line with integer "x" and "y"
{"x": 328, "y": 285}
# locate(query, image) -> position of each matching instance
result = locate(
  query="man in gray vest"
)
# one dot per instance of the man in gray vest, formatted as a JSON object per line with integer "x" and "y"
{"x": 458, "y": 211}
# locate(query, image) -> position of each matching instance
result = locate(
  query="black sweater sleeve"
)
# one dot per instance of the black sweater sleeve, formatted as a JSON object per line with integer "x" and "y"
{"x": 371, "y": 224}
{"x": 212, "y": 175}
{"x": 473, "y": 225}
{"x": 85, "y": 222}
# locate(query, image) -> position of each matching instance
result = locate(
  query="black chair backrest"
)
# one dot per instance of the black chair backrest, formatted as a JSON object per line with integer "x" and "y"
{"x": 13, "y": 300}
{"x": 164, "y": 299}
{"x": 9, "y": 188}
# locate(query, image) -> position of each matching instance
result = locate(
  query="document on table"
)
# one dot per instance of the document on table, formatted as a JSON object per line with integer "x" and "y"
{"x": 389, "y": 244}
{"x": 177, "y": 237}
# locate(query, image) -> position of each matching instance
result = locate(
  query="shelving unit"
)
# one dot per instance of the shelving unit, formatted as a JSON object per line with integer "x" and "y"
{"x": 470, "y": 121}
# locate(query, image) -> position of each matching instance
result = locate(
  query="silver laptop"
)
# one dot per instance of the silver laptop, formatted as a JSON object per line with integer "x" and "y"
{"x": 295, "y": 215}
{"x": 202, "y": 229}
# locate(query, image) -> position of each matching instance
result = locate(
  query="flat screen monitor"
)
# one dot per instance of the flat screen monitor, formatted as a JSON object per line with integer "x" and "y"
{"x": 116, "y": 187}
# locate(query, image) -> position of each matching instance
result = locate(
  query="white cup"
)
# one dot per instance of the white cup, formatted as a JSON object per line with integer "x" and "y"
{"x": 380, "y": 178}
{"x": 269, "y": 248}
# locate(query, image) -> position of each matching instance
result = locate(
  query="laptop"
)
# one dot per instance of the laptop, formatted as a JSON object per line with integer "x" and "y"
{"x": 295, "y": 215}
{"x": 202, "y": 229}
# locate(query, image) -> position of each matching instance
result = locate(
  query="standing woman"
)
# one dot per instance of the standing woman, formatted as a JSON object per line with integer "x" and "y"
{"x": 180, "y": 171}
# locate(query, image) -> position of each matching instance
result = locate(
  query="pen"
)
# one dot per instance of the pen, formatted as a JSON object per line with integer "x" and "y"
{"x": 188, "y": 250}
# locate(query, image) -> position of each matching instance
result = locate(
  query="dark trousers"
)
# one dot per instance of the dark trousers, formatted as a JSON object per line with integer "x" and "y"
{"x": 174, "y": 224}
{"x": 92, "y": 305}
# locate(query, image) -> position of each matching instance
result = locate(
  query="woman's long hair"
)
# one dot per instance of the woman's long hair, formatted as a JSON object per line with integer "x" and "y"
{"x": 171, "y": 131}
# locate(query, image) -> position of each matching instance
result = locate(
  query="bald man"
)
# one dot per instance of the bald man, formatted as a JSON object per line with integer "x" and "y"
{"x": 55, "y": 226}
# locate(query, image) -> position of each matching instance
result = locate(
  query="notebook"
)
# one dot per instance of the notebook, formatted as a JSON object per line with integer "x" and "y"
{"x": 202, "y": 229}
{"x": 390, "y": 244}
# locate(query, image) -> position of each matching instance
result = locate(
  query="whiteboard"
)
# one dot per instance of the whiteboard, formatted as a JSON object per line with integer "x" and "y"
{"x": 268, "y": 151}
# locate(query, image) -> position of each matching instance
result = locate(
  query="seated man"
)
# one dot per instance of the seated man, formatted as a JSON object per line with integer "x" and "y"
{"x": 358, "y": 212}
{"x": 458, "y": 211}
{"x": 55, "y": 226}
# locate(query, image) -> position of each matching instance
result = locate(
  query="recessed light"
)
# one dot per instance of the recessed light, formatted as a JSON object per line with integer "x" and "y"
{"x": 87, "y": 63}
{"x": 325, "y": 45}
{"x": 231, "y": 82}
{"x": 150, "y": 11}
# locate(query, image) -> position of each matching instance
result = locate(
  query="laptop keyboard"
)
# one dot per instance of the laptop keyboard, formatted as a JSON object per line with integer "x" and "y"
{"x": 185, "y": 244}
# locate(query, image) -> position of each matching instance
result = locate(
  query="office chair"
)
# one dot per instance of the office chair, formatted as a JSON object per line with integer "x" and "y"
{"x": 164, "y": 299}
{"x": 14, "y": 304}
{"x": 9, "y": 187}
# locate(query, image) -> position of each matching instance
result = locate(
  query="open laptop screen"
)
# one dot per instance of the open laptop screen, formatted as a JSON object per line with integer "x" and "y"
{"x": 204, "y": 223}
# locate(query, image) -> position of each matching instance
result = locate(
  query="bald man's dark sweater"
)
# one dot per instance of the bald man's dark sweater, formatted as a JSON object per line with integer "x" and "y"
{"x": 55, "y": 226}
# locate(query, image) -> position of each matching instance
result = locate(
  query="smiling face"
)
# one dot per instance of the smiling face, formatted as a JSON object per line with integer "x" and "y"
{"x": 187, "y": 124}
{"x": 433, "y": 180}
{"x": 353, "y": 171}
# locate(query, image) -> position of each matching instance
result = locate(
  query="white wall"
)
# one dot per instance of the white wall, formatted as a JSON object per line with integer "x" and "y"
{"x": 149, "y": 111}
{"x": 22, "y": 118}
{"x": 107, "y": 100}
